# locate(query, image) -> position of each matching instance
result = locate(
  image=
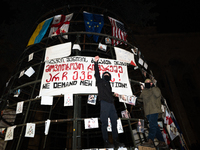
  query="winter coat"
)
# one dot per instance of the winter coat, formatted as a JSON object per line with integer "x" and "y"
{"x": 104, "y": 89}
{"x": 151, "y": 98}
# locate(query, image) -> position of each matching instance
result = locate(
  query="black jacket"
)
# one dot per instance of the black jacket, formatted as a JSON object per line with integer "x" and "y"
{"x": 104, "y": 89}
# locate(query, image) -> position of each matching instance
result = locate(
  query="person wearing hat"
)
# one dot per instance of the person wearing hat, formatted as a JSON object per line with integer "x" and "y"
{"x": 151, "y": 98}
{"x": 106, "y": 97}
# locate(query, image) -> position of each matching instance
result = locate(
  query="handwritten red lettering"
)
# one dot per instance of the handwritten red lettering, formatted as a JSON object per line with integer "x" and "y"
{"x": 64, "y": 67}
{"x": 90, "y": 67}
{"x": 83, "y": 75}
{"x": 89, "y": 76}
{"x": 64, "y": 75}
{"x": 120, "y": 69}
{"x": 75, "y": 76}
{"x": 52, "y": 78}
{"x": 115, "y": 69}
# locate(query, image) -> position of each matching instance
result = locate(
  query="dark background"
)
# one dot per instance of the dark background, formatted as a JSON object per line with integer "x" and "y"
{"x": 19, "y": 20}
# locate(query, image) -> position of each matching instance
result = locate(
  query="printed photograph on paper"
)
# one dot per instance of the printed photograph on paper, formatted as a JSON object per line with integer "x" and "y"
{"x": 91, "y": 123}
{"x": 125, "y": 114}
{"x": 140, "y": 125}
{"x": 19, "y": 108}
{"x": 68, "y": 99}
{"x": 131, "y": 100}
{"x": 119, "y": 126}
{"x": 107, "y": 40}
{"x": 92, "y": 99}
{"x": 123, "y": 98}
{"x": 127, "y": 99}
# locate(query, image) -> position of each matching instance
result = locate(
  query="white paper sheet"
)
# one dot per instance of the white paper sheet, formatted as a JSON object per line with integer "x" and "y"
{"x": 140, "y": 61}
{"x": 30, "y": 130}
{"x": 29, "y": 72}
{"x": 47, "y": 125}
{"x": 102, "y": 47}
{"x": 46, "y": 100}
{"x": 19, "y": 108}
{"x": 125, "y": 56}
{"x": 68, "y": 99}
{"x": 58, "y": 51}
{"x": 21, "y": 73}
{"x": 91, "y": 123}
{"x": 30, "y": 57}
{"x": 10, "y": 133}
{"x": 76, "y": 46}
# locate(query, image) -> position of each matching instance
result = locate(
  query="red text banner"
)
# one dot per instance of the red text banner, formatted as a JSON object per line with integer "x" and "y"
{"x": 76, "y": 75}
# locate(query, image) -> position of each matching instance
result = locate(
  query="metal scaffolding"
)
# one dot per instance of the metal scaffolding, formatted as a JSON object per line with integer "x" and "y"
{"x": 67, "y": 123}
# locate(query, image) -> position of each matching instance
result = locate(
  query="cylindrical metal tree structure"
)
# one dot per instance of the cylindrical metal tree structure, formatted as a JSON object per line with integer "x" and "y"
{"x": 67, "y": 123}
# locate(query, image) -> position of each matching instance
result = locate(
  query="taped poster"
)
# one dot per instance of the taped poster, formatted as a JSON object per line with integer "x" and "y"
{"x": 91, "y": 123}
{"x": 19, "y": 108}
{"x": 68, "y": 99}
{"x": 125, "y": 56}
{"x": 58, "y": 51}
{"x": 30, "y": 130}
{"x": 119, "y": 126}
{"x": 10, "y": 133}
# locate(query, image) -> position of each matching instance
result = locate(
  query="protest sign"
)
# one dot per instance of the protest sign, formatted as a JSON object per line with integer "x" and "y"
{"x": 76, "y": 75}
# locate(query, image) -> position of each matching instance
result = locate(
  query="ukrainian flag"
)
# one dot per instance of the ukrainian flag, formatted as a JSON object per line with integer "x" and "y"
{"x": 40, "y": 32}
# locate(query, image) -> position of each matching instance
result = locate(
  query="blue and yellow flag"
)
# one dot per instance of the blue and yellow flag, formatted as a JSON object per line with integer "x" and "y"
{"x": 40, "y": 32}
{"x": 93, "y": 23}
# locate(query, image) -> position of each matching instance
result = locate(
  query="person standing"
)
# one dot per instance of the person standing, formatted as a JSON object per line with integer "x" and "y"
{"x": 151, "y": 98}
{"x": 106, "y": 97}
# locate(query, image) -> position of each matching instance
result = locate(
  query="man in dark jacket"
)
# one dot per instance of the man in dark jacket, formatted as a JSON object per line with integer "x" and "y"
{"x": 106, "y": 98}
{"x": 151, "y": 98}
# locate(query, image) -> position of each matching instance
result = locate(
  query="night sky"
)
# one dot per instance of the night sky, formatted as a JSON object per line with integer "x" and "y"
{"x": 178, "y": 16}
{"x": 172, "y": 16}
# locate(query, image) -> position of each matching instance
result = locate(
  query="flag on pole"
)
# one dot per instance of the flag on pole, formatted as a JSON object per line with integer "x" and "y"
{"x": 118, "y": 31}
{"x": 93, "y": 23}
{"x": 165, "y": 136}
{"x": 39, "y": 32}
{"x": 60, "y": 25}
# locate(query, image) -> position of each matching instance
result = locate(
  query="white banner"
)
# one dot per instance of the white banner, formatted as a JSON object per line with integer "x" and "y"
{"x": 58, "y": 51}
{"x": 76, "y": 75}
